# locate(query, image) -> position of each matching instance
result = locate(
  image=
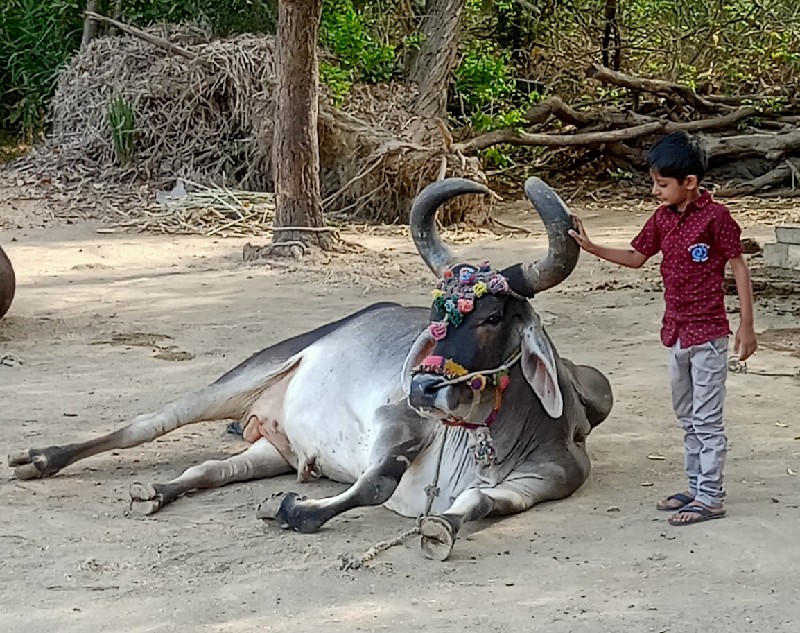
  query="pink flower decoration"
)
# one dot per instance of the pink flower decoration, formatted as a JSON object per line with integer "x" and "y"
{"x": 465, "y": 306}
{"x": 438, "y": 330}
{"x": 498, "y": 284}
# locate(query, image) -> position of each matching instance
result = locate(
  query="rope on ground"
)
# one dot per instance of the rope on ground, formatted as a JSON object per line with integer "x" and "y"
{"x": 740, "y": 367}
{"x": 349, "y": 562}
{"x": 356, "y": 562}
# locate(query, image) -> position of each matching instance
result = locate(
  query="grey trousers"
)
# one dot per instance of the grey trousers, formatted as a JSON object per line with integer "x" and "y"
{"x": 697, "y": 377}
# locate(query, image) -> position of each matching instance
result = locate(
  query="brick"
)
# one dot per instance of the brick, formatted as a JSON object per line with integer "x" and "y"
{"x": 782, "y": 256}
{"x": 788, "y": 234}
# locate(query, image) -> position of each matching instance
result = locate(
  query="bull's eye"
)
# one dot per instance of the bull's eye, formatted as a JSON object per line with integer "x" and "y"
{"x": 493, "y": 319}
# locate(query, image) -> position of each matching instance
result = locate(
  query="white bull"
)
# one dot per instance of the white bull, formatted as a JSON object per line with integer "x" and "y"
{"x": 456, "y": 412}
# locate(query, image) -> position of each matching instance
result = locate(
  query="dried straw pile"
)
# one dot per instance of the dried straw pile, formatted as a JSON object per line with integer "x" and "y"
{"x": 210, "y": 120}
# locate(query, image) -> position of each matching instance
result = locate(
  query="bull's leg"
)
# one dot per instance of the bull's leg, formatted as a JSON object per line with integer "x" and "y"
{"x": 220, "y": 400}
{"x": 534, "y": 483}
{"x": 401, "y": 438}
{"x": 259, "y": 461}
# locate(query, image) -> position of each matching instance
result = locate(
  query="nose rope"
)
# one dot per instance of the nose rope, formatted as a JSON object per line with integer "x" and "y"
{"x": 455, "y": 374}
{"x": 508, "y": 364}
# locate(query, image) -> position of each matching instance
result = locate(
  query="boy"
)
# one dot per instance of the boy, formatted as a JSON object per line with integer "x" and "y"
{"x": 696, "y": 236}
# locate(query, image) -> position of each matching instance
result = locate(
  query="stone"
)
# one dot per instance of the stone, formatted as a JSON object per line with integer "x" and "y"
{"x": 782, "y": 256}
{"x": 788, "y": 234}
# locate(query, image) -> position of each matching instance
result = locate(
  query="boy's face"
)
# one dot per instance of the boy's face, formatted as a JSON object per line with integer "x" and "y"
{"x": 671, "y": 190}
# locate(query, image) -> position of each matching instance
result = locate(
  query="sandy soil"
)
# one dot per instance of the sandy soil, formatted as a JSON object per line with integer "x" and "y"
{"x": 108, "y": 326}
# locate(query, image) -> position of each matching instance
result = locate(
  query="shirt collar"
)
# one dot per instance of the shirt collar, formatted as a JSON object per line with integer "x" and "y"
{"x": 700, "y": 203}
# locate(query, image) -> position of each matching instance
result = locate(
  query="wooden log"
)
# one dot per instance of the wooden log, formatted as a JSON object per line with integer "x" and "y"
{"x": 515, "y": 137}
{"x": 655, "y": 86}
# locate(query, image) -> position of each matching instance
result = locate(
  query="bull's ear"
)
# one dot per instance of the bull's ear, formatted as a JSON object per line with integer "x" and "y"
{"x": 421, "y": 348}
{"x": 539, "y": 368}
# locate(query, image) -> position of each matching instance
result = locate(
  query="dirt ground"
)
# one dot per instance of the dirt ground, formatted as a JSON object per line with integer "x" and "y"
{"x": 107, "y": 326}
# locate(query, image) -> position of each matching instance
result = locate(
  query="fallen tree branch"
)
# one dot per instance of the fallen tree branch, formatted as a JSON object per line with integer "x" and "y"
{"x": 654, "y": 86}
{"x": 514, "y": 137}
{"x": 772, "y": 146}
{"x": 160, "y": 42}
{"x": 770, "y": 179}
{"x": 555, "y": 106}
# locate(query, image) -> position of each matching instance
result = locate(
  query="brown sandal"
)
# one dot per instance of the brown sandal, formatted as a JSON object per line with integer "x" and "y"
{"x": 699, "y": 514}
{"x": 682, "y": 499}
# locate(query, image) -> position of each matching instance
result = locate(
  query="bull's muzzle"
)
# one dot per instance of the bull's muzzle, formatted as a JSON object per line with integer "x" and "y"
{"x": 427, "y": 392}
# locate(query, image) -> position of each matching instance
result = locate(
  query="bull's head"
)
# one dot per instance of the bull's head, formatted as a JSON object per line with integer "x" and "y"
{"x": 481, "y": 321}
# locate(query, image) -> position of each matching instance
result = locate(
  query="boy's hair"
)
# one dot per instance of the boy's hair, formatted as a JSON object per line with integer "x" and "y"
{"x": 678, "y": 155}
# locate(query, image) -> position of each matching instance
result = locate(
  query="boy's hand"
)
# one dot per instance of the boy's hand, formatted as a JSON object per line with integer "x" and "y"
{"x": 745, "y": 343}
{"x": 579, "y": 234}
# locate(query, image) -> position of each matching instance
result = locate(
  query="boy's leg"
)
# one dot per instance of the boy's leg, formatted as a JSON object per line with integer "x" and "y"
{"x": 682, "y": 386}
{"x": 709, "y": 369}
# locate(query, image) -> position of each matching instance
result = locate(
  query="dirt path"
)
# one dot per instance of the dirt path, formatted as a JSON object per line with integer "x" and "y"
{"x": 110, "y": 326}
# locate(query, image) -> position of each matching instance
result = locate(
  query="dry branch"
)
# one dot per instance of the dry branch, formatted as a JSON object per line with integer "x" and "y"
{"x": 160, "y": 42}
{"x": 768, "y": 180}
{"x": 610, "y": 119}
{"x": 654, "y": 86}
{"x": 514, "y": 137}
{"x": 772, "y": 146}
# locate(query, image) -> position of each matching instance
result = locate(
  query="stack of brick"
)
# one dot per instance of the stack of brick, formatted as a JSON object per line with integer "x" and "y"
{"x": 785, "y": 252}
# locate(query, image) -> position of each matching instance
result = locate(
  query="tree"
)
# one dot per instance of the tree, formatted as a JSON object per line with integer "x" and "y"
{"x": 296, "y": 143}
{"x": 431, "y": 68}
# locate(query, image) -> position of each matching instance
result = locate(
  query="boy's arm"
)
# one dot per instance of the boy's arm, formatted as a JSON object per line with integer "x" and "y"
{"x": 623, "y": 256}
{"x": 745, "y": 342}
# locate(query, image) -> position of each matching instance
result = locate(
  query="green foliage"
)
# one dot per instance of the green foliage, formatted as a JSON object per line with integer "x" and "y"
{"x": 344, "y": 32}
{"x": 36, "y": 38}
{"x": 122, "y": 121}
{"x": 338, "y": 80}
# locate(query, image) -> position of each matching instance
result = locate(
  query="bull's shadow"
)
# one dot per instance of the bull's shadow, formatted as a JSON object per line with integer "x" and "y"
{"x": 452, "y": 413}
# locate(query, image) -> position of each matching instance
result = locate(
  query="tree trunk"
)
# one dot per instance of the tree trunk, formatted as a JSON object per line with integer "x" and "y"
{"x": 431, "y": 68}
{"x": 296, "y": 142}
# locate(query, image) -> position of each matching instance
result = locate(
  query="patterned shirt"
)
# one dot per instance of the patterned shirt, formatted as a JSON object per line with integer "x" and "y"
{"x": 696, "y": 245}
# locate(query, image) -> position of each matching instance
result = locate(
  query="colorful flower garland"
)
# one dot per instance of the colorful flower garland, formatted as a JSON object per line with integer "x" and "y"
{"x": 455, "y": 295}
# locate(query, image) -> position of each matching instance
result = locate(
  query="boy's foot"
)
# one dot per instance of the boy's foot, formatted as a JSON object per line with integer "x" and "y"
{"x": 675, "y": 502}
{"x": 696, "y": 512}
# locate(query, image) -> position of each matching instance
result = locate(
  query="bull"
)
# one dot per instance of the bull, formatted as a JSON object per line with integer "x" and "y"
{"x": 448, "y": 414}
{"x": 7, "y": 283}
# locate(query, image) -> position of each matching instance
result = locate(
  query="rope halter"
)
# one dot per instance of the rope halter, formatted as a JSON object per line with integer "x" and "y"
{"x": 455, "y": 374}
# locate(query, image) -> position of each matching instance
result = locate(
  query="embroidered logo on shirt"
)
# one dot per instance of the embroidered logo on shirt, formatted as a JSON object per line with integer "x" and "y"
{"x": 699, "y": 252}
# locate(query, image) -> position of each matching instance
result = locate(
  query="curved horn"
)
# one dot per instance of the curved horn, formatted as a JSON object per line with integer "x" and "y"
{"x": 562, "y": 255}
{"x": 423, "y": 219}
{"x": 7, "y": 283}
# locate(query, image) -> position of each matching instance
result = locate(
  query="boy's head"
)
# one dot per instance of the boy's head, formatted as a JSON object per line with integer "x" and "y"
{"x": 677, "y": 164}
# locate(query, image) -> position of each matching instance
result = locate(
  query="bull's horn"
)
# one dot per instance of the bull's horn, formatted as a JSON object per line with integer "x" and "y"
{"x": 563, "y": 251}
{"x": 7, "y": 283}
{"x": 423, "y": 219}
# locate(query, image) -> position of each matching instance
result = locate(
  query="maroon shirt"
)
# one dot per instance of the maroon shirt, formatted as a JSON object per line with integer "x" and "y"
{"x": 696, "y": 245}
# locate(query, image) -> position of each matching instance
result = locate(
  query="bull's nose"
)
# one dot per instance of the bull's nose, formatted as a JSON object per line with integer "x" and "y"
{"x": 428, "y": 392}
{"x": 423, "y": 391}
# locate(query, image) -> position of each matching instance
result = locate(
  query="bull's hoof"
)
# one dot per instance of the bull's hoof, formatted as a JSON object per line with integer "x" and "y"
{"x": 33, "y": 463}
{"x": 438, "y": 537}
{"x": 146, "y": 499}
{"x": 291, "y": 512}
{"x": 269, "y": 508}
